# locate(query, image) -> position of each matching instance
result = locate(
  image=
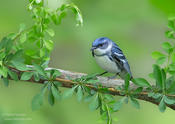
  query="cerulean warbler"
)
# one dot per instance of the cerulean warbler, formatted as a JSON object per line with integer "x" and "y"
{"x": 110, "y": 57}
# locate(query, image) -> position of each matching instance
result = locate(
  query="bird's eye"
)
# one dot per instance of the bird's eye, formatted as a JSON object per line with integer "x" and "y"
{"x": 100, "y": 45}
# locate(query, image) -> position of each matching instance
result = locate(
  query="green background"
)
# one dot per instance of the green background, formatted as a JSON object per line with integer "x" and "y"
{"x": 137, "y": 26}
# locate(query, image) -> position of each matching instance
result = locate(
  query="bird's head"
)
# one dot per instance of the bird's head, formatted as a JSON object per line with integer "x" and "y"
{"x": 101, "y": 46}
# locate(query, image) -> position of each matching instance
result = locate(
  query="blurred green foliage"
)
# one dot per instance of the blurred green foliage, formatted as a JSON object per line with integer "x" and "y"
{"x": 136, "y": 26}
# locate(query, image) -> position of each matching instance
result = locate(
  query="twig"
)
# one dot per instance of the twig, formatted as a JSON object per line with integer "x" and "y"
{"x": 104, "y": 81}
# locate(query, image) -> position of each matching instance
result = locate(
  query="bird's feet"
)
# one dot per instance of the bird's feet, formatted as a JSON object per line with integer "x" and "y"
{"x": 113, "y": 77}
{"x": 102, "y": 73}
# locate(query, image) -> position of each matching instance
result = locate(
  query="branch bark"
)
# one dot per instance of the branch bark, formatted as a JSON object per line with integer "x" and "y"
{"x": 104, "y": 81}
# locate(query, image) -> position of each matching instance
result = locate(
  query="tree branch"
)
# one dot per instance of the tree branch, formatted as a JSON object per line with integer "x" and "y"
{"x": 104, "y": 81}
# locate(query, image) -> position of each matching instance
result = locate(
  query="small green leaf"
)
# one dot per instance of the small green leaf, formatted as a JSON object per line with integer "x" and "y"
{"x": 39, "y": 69}
{"x": 166, "y": 45}
{"x": 95, "y": 103}
{"x": 68, "y": 93}
{"x": 173, "y": 57}
{"x": 141, "y": 82}
{"x": 151, "y": 75}
{"x": 51, "y": 99}
{"x": 22, "y": 27}
{"x": 26, "y": 75}
{"x": 156, "y": 55}
{"x": 157, "y": 75}
{"x": 6, "y": 81}
{"x": 127, "y": 79}
{"x": 161, "y": 60}
{"x": 50, "y": 32}
{"x": 37, "y": 102}
{"x": 171, "y": 89}
{"x": 135, "y": 103}
{"x": 154, "y": 95}
{"x": 79, "y": 94}
{"x": 138, "y": 90}
{"x": 169, "y": 34}
{"x": 55, "y": 92}
{"x": 171, "y": 24}
{"x": 13, "y": 75}
{"x": 163, "y": 79}
{"x": 168, "y": 100}
{"x": 20, "y": 66}
{"x": 119, "y": 103}
{"x": 55, "y": 73}
{"x": 3, "y": 71}
{"x": 44, "y": 88}
{"x": 36, "y": 76}
{"x": 23, "y": 37}
{"x": 162, "y": 105}
{"x": 93, "y": 81}
{"x": 88, "y": 98}
{"x": 77, "y": 13}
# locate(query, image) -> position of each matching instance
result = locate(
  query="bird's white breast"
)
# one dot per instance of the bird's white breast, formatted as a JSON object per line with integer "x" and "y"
{"x": 105, "y": 63}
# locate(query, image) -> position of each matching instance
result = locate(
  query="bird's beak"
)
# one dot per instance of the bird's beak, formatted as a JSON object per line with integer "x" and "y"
{"x": 93, "y": 48}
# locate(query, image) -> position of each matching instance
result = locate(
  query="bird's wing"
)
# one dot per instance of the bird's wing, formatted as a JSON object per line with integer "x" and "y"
{"x": 120, "y": 59}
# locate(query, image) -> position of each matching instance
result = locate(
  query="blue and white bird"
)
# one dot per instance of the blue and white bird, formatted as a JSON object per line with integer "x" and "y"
{"x": 110, "y": 57}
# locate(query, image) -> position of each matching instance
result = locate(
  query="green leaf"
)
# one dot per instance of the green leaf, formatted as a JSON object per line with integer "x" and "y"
{"x": 88, "y": 98}
{"x": 6, "y": 81}
{"x": 154, "y": 95}
{"x": 127, "y": 79}
{"x": 135, "y": 103}
{"x": 55, "y": 73}
{"x": 157, "y": 75}
{"x": 77, "y": 12}
{"x": 57, "y": 84}
{"x": 163, "y": 79}
{"x": 138, "y": 90}
{"x": 26, "y": 75}
{"x": 166, "y": 45}
{"x": 172, "y": 67}
{"x": 151, "y": 75}
{"x": 39, "y": 69}
{"x": 36, "y": 76}
{"x": 162, "y": 105}
{"x": 22, "y": 27}
{"x": 119, "y": 104}
{"x": 171, "y": 89}
{"x": 51, "y": 99}
{"x": 168, "y": 100}
{"x": 79, "y": 94}
{"x": 156, "y": 55}
{"x": 93, "y": 81}
{"x": 169, "y": 34}
{"x": 44, "y": 88}
{"x": 141, "y": 82}
{"x": 13, "y": 75}
{"x": 61, "y": 16}
{"x": 37, "y": 102}
{"x": 55, "y": 18}
{"x": 23, "y": 37}
{"x": 50, "y": 32}
{"x": 161, "y": 60}
{"x": 171, "y": 24}
{"x": 55, "y": 92}
{"x": 3, "y": 71}
{"x": 20, "y": 66}
{"x": 173, "y": 57}
{"x": 95, "y": 103}
{"x": 68, "y": 93}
